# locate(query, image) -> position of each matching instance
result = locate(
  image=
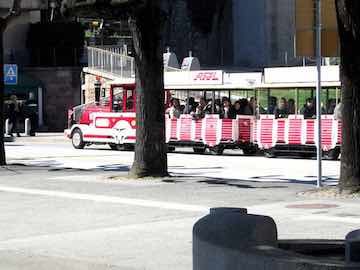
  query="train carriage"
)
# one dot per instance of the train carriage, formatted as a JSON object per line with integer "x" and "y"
{"x": 296, "y": 133}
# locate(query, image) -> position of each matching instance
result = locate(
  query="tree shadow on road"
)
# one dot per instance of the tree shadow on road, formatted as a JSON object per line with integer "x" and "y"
{"x": 232, "y": 183}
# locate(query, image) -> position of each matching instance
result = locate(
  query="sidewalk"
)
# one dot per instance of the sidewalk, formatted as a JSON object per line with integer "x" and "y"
{"x": 43, "y": 137}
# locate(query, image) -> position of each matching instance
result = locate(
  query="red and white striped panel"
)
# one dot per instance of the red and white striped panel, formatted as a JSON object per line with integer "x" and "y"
{"x": 281, "y": 125}
{"x": 327, "y": 140}
{"x": 212, "y": 128}
{"x": 309, "y": 131}
{"x": 255, "y": 130}
{"x": 266, "y": 132}
{"x": 339, "y": 132}
{"x": 197, "y": 130}
{"x": 185, "y": 127}
{"x": 227, "y": 132}
{"x": 173, "y": 129}
{"x": 246, "y": 129}
{"x": 167, "y": 129}
{"x": 295, "y": 132}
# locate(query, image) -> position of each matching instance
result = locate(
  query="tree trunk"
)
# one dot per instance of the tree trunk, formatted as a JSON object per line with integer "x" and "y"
{"x": 150, "y": 149}
{"x": 349, "y": 32}
{"x": 2, "y": 90}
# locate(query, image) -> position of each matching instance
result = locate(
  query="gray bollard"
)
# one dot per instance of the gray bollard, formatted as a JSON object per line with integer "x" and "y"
{"x": 7, "y": 126}
{"x": 220, "y": 236}
{"x": 27, "y": 127}
{"x": 352, "y": 246}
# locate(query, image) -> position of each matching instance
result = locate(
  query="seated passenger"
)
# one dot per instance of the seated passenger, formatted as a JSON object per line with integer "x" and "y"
{"x": 291, "y": 106}
{"x": 281, "y": 110}
{"x": 237, "y": 107}
{"x": 309, "y": 109}
{"x": 174, "y": 111}
{"x": 245, "y": 108}
{"x": 212, "y": 109}
{"x": 338, "y": 111}
{"x": 272, "y": 104}
{"x": 330, "y": 107}
{"x": 200, "y": 110}
{"x": 226, "y": 111}
{"x": 256, "y": 109}
{"x": 190, "y": 106}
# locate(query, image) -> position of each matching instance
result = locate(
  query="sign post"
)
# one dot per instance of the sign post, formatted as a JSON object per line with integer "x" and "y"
{"x": 317, "y": 35}
{"x": 318, "y": 91}
{"x": 10, "y": 74}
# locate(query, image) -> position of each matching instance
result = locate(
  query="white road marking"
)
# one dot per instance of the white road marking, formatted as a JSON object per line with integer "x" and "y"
{"x": 352, "y": 220}
{"x": 107, "y": 199}
{"x": 158, "y": 224}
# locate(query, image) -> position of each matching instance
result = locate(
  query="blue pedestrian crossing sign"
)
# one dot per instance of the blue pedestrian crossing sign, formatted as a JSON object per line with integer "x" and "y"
{"x": 10, "y": 74}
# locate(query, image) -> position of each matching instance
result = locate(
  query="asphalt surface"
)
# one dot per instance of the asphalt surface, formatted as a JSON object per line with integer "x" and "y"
{"x": 62, "y": 209}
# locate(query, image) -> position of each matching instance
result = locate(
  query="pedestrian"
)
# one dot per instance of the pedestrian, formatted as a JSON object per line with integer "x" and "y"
{"x": 14, "y": 113}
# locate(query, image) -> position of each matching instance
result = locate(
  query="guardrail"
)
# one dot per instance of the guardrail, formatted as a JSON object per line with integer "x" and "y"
{"x": 111, "y": 60}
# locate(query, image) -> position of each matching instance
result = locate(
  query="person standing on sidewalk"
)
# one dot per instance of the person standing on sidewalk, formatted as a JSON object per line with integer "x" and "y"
{"x": 14, "y": 113}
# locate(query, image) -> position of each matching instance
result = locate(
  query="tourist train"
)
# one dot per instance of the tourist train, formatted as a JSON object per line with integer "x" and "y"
{"x": 206, "y": 124}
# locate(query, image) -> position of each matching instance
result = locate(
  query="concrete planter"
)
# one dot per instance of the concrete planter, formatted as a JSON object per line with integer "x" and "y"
{"x": 234, "y": 240}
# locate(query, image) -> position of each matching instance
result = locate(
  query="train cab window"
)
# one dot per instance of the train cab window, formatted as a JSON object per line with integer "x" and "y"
{"x": 104, "y": 100}
{"x": 130, "y": 100}
{"x": 118, "y": 98}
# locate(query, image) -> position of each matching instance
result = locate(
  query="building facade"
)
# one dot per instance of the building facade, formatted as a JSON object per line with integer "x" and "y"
{"x": 46, "y": 86}
{"x": 246, "y": 34}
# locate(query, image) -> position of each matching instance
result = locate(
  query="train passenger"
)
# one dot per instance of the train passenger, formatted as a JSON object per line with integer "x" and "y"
{"x": 256, "y": 109}
{"x": 218, "y": 104}
{"x": 245, "y": 108}
{"x": 330, "y": 106}
{"x": 272, "y": 104}
{"x": 291, "y": 106}
{"x": 338, "y": 111}
{"x": 190, "y": 106}
{"x": 210, "y": 109}
{"x": 281, "y": 111}
{"x": 309, "y": 109}
{"x": 174, "y": 110}
{"x": 237, "y": 107}
{"x": 200, "y": 110}
{"x": 227, "y": 111}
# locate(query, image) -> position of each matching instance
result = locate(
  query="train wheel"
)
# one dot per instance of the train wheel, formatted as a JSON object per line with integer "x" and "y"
{"x": 270, "y": 153}
{"x": 77, "y": 139}
{"x": 199, "y": 150}
{"x": 117, "y": 147}
{"x": 332, "y": 154}
{"x": 128, "y": 147}
{"x": 217, "y": 150}
{"x": 170, "y": 149}
{"x": 249, "y": 151}
{"x": 113, "y": 146}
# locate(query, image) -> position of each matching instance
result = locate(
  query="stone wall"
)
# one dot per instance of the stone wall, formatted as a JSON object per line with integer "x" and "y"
{"x": 62, "y": 91}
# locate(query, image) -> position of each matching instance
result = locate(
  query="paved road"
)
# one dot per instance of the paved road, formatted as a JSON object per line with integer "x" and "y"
{"x": 62, "y": 210}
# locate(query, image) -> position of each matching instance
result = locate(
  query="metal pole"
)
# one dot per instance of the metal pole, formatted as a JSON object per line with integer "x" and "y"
{"x": 318, "y": 91}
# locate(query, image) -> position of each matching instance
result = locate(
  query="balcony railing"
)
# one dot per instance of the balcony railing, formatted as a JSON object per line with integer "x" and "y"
{"x": 111, "y": 60}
